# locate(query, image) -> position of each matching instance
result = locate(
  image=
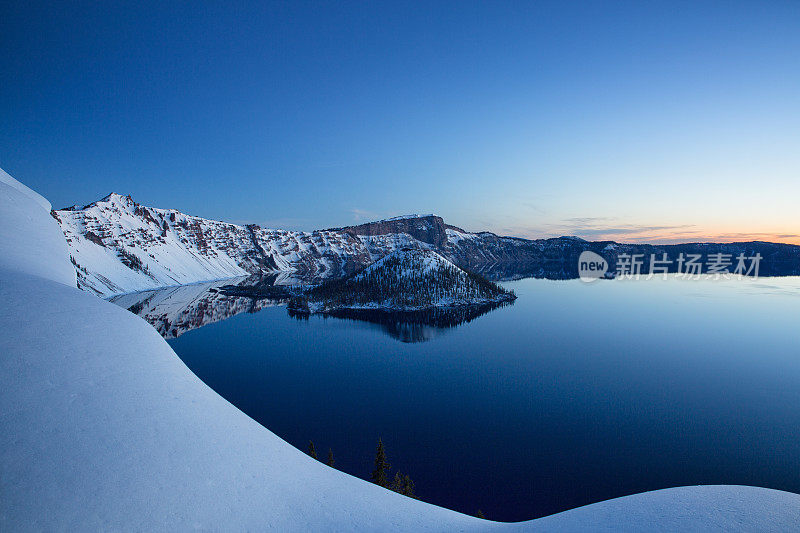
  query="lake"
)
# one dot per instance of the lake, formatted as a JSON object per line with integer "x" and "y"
{"x": 574, "y": 394}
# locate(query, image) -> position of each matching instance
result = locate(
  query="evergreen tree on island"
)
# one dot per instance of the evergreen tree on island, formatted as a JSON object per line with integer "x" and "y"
{"x": 330, "y": 458}
{"x": 380, "y": 474}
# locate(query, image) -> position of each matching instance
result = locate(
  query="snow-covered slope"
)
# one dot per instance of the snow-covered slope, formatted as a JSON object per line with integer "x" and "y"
{"x": 118, "y": 246}
{"x": 102, "y": 427}
{"x": 29, "y": 242}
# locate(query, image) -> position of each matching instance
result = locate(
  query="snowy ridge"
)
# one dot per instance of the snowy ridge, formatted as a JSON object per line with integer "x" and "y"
{"x": 6, "y": 179}
{"x": 104, "y": 428}
{"x": 29, "y": 241}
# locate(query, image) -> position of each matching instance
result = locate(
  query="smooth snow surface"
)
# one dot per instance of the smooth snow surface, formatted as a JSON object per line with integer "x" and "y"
{"x": 30, "y": 239}
{"x": 102, "y": 427}
{"x": 6, "y": 179}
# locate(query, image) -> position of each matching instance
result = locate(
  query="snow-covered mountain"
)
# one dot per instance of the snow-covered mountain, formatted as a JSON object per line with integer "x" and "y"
{"x": 408, "y": 279}
{"x": 119, "y": 246}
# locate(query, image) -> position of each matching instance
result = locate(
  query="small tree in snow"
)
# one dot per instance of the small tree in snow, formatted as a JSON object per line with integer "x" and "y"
{"x": 404, "y": 485}
{"x": 381, "y": 472}
{"x": 311, "y": 450}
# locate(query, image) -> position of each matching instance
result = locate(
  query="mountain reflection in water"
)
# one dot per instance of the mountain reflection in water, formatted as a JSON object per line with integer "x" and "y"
{"x": 175, "y": 310}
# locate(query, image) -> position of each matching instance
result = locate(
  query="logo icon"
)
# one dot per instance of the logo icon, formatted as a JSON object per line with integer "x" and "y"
{"x": 591, "y": 266}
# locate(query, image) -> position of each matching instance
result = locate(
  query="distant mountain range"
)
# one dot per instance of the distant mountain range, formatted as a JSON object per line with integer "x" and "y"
{"x": 118, "y": 245}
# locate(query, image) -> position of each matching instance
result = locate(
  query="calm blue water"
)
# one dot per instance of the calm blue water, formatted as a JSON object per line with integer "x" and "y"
{"x": 575, "y": 394}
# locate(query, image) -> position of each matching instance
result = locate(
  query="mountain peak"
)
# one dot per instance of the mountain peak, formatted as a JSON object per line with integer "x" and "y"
{"x": 116, "y": 197}
{"x": 112, "y": 198}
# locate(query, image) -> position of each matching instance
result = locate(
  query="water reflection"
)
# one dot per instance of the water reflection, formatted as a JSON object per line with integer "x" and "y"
{"x": 413, "y": 326}
{"x": 175, "y": 310}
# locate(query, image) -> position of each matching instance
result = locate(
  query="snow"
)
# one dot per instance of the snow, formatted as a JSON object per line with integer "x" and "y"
{"x": 455, "y": 236}
{"x": 430, "y": 260}
{"x": 168, "y": 257}
{"x": 176, "y": 249}
{"x": 30, "y": 240}
{"x": 416, "y": 264}
{"x": 105, "y": 428}
{"x": 379, "y": 245}
{"x": 404, "y": 217}
{"x": 6, "y": 179}
{"x": 729, "y": 508}
{"x": 102, "y": 427}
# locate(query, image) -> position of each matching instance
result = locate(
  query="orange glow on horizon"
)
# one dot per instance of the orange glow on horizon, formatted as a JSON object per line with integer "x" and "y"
{"x": 654, "y": 237}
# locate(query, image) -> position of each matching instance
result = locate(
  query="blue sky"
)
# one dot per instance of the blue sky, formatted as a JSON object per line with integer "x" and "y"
{"x": 633, "y": 121}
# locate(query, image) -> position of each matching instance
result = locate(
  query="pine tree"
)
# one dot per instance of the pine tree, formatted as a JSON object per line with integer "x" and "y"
{"x": 479, "y": 514}
{"x": 311, "y": 450}
{"x": 403, "y": 485}
{"x": 397, "y": 483}
{"x": 379, "y": 475}
{"x": 407, "y": 487}
{"x": 330, "y": 458}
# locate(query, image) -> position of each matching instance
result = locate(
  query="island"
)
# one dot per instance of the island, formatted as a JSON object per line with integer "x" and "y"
{"x": 407, "y": 280}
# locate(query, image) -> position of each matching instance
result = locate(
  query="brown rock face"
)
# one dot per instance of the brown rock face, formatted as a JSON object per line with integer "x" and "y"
{"x": 429, "y": 229}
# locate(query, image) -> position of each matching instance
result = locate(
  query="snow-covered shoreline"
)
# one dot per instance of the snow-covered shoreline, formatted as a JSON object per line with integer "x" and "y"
{"x": 102, "y": 427}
